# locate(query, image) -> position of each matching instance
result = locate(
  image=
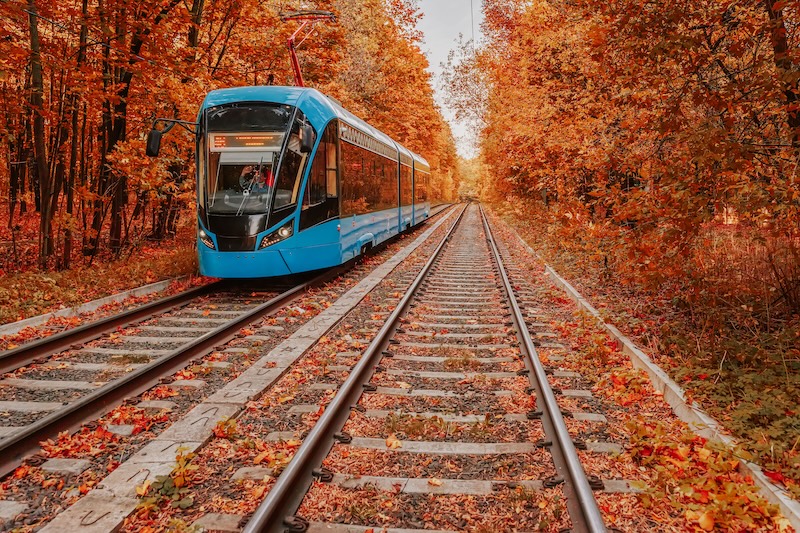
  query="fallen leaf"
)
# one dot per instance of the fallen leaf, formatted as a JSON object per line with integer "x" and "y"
{"x": 393, "y": 442}
{"x": 435, "y": 481}
{"x": 706, "y": 521}
{"x": 142, "y": 489}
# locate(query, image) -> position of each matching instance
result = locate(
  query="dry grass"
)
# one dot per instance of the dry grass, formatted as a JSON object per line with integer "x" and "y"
{"x": 32, "y": 293}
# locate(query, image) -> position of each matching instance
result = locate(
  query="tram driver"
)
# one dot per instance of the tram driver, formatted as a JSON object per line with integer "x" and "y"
{"x": 256, "y": 178}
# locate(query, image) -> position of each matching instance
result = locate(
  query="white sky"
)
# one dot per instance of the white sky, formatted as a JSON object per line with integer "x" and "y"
{"x": 441, "y": 23}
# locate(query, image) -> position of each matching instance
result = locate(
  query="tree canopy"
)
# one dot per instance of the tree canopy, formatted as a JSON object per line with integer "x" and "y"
{"x": 81, "y": 81}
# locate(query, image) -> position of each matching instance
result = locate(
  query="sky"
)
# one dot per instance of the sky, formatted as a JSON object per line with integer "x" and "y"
{"x": 442, "y": 21}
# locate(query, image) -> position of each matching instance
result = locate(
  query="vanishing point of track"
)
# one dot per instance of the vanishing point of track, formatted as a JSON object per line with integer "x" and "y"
{"x": 463, "y": 285}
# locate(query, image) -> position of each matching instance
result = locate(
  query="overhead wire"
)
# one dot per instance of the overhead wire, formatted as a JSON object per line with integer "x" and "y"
{"x": 472, "y": 22}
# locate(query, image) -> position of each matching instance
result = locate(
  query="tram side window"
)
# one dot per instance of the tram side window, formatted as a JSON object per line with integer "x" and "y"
{"x": 288, "y": 183}
{"x": 405, "y": 185}
{"x": 330, "y": 162}
{"x": 322, "y": 180}
{"x": 316, "y": 189}
{"x": 368, "y": 181}
{"x": 354, "y": 187}
{"x": 421, "y": 186}
{"x": 388, "y": 185}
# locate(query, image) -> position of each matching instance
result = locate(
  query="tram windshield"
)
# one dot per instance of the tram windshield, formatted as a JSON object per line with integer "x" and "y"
{"x": 242, "y": 148}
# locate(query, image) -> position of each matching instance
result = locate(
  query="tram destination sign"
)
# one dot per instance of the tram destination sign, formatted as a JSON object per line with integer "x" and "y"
{"x": 257, "y": 141}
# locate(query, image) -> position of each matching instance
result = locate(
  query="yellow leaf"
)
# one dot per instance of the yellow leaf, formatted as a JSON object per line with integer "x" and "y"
{"x": 706, "y": 521}
{"x": 704, "y": 453}
{"x": 403, "y": 385}
{"x": 142, "y": 489}
{"x": 436, "y": 482}
{"x": 393, "y": 442}
{"x": 260, "y": 457}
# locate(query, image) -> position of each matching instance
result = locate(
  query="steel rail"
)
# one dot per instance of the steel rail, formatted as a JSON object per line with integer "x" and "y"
{"x": 11, "y": 360}
{"x": 16, "y": 447}
{"x": 287, "y": 494}
{"x": 584, "y": 511}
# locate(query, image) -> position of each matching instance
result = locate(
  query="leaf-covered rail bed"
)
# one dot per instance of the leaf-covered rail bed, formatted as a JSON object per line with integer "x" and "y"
{"x": 449, "y": 439}
{"x": 70, "y": 386}
{"x": 101, "y": 446}
{"x": 446, "y": 420}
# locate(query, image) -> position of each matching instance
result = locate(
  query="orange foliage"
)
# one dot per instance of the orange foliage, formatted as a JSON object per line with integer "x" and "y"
{"x": 109, "y": 68}
{"x": 650, "y": 121}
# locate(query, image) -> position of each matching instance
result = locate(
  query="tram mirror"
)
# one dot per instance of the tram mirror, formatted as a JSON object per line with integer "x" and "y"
{"x": 153, "y": 143}
{"x": 306, "y": 139}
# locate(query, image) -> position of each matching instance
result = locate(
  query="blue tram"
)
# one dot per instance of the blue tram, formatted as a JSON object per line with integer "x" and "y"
{"x": 288, "y": 181}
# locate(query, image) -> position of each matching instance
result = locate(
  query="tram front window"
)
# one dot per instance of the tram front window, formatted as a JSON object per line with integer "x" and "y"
{"x": 240, "y": 182}
{"x": 251, "y": 164}
{"x": 241, "y": 146}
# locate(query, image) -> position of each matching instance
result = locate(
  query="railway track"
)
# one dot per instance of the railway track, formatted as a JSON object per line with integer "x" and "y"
{"x": 61, "y": 382}
{"x": 416, "y": 401}
{"x": 449, "y": 400}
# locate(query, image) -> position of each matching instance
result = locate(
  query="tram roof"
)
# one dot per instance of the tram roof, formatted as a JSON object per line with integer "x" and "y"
{"x": 318, "y": 107}
{"x": 419, "y": 159}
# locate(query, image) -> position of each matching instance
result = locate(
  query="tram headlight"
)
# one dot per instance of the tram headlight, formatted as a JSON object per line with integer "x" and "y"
{"x": 284, "y": 232}
{"x": 204, "y": 237}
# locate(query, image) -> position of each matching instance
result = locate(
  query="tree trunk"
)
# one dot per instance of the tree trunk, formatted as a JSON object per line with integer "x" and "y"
{"x": 787, "y": 71}
{"x": 98, "y": 210}
{"x": 40, "y": 155}
{"x": 59, "y": 151}
{"x": 76, "y": 138}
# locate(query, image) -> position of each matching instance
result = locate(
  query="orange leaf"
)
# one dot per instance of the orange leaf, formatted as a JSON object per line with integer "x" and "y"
{"x": 393, "y": 442}
{"x": 706, "y": 521}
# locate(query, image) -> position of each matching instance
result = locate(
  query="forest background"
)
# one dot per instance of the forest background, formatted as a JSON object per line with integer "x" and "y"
{"x": 649, "y": 151}
{"x": 82, "y": 80}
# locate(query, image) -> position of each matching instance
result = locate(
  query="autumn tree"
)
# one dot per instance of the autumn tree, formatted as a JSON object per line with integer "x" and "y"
{"x": 649, "y": 121}
{"x": 384, "y": 81}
